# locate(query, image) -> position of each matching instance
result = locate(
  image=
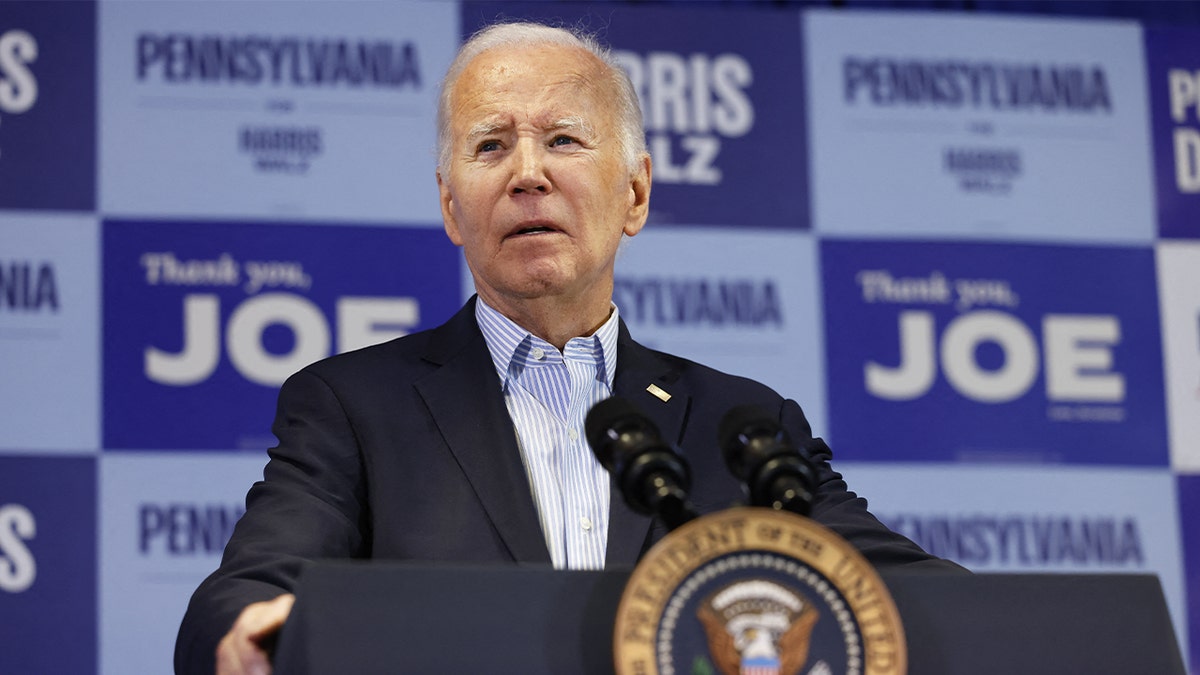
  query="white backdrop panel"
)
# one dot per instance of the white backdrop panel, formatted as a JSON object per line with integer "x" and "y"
{"x": 257, "y": 109}
{"x": 963, "y": 126}
{"x": 1035, "y": 518}
{"x": 1179, "y": 299}
{"x": 743, "y": 301}
{"x": 164, "y": 520}
{"x": 49, "y": 323}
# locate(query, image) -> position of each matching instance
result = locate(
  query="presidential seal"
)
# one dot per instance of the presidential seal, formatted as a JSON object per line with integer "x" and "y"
{"x": 753, "y": 591}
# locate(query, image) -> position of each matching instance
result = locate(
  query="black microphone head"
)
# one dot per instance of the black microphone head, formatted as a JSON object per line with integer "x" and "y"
{"x": 618, "y": 431}
{"x": 607, "y": 421}
{"x": 607, "y": 414}
{"x": 760, "y": 454}
{"x": 740, "y": 418}
{"x": 737, "y": 432}
{"x": 652, "y": 476}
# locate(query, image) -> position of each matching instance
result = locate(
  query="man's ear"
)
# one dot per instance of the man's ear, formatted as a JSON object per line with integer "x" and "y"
{"x": 639, "y": 197}
{"x": 448, "y": 221}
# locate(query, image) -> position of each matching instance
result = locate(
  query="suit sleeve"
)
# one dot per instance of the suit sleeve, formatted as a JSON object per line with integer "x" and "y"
{"x": 844, "y": 512}
{"x": 310, "y": 504}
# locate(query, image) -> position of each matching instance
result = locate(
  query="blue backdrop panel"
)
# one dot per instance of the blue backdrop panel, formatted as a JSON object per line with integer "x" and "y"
{"x": 948, "y": 125}
{"x": 722, "y": 99}
{"x": 957, "y": 351}
{"x": 1189, "y": 506}
{"x": 1173, "y": 62}
{"x": 48, "y": 105}
{"x": 204, "y": 321}
{"x": 48, "y": 564}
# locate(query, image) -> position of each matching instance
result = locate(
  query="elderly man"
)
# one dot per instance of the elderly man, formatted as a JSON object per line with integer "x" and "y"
{"x": 465, "y": 443}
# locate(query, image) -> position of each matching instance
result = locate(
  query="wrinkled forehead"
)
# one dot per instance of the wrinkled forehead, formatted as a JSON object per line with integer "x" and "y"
{"x": 556, "y": 80}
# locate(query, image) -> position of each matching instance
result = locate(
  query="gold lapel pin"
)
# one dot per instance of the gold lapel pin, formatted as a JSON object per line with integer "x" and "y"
{"x": 658, "y": 392}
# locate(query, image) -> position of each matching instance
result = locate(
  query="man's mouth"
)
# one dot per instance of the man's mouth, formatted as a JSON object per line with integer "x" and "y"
{"x": 533, "y": 228}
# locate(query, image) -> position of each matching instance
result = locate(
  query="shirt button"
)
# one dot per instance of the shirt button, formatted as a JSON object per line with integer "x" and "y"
{"x": 537, "y": 353}
{"x": 574, "y": 435}
{"x": 585, "y": 523}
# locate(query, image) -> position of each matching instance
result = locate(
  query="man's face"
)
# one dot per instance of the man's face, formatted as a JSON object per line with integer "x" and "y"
{"x": 537, "y": 191}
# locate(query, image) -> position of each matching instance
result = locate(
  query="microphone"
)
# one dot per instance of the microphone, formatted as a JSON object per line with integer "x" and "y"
{"x": 652, "y": 476}
{"x": 760, "y": 454}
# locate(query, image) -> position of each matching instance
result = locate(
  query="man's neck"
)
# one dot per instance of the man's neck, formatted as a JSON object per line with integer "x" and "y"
{"x": 555, "y": 320}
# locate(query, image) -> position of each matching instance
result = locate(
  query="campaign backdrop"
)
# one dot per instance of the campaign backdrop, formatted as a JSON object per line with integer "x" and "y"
{"x": 721, "y": 90}
{"x": 966, "y": 243}
{"x": 1189, "y": 505}
{"x": 260, "y": 109}
{"x": 955, "y": 351}
{"x": 48, "y": 106}
{"x": 206, "y": 319}
{"x": 1016, "y": 518}
{"x": 48, "y": 583}
{"x": 744, "y": 302}
{"x": 50, "y": 330}
{"x": 166, "y": 518}
{"x": 1179, "y": 298}
{"x": 948, "y": 126}
{"x": 1173, "y": 60}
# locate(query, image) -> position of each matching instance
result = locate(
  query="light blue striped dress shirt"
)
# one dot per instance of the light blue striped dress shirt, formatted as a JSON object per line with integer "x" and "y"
{"x": 548, "y": 395}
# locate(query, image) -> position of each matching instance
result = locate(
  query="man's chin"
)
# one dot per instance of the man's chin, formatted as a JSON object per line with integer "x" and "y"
{"x": 538, "y": 288}
{"x": 548, "y": 285}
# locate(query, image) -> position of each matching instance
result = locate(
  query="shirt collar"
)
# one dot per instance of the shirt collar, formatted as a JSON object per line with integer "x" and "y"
{"x": 506, "y": 341}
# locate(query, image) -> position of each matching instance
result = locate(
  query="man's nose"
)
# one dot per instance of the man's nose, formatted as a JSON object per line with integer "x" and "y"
{"x": 529, "y": 168}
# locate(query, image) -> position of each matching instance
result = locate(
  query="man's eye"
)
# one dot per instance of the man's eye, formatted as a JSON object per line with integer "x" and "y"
{"x": 562, "y": 140}
{"x": 488, "y": 146}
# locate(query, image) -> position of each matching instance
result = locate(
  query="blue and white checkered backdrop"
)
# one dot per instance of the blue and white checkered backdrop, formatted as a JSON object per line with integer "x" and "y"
{"x": 967, "y": 243}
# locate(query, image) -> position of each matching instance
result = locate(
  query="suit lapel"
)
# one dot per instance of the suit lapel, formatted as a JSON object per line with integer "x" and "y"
{"x": 638, "y": 368}
{"x": 464, "y": 398}
{"x": 466, "y": 404}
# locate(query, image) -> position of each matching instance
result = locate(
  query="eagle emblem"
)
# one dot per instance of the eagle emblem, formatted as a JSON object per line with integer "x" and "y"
{"x": 757, "y": 627}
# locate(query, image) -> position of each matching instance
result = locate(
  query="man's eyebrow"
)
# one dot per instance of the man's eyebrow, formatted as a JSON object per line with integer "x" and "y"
{"x": 573, "y": 123}
{"x": 485, "y": 129}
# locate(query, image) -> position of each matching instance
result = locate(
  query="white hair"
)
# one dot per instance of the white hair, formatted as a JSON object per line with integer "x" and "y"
{"x": 630, "y": 134}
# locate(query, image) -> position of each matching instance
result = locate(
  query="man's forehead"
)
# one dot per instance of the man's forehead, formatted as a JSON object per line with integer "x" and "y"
{"x": 521, "y": 68}
{"x": 535, "y": 55}
{"x": 547, "y": 86}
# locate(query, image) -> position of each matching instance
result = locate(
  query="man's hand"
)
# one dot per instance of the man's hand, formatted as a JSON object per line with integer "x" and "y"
{"x": 241, "y": 651}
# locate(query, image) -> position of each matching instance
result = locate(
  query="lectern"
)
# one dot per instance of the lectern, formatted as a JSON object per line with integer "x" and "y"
{"x": 372, "y": 617}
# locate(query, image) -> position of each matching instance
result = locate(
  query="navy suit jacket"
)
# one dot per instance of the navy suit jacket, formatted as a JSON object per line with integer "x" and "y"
{"x": 405, "y": 450}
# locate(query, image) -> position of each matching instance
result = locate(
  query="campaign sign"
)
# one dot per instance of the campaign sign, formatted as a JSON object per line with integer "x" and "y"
{"x": 745, "y": 302}
{"x": 1173, "y": 61}
{"x": 48, "y": 564}
{"x": 1189, "y": 506}
{"x": 722, "y": 100}
{"x": 48, "y": 106}
{"x": 943, "y": 351}
{"x": 313, "y": 110}
{"x": 979, "y": 127}
{"x": 166, "y": 520}
{"x": 1035, "y": 519}
{"x": 1179, "y": 296}
{"x": 204, "y": 321}
{"x": 49, "y": 332}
